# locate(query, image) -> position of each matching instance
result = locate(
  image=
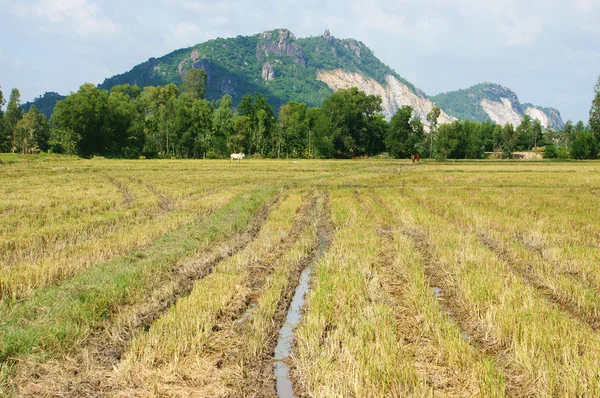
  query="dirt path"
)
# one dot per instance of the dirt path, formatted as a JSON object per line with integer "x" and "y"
{"x": 128, "y": 198}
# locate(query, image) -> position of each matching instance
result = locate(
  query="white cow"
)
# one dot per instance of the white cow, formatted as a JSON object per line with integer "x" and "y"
{"x": 237, "y": 156}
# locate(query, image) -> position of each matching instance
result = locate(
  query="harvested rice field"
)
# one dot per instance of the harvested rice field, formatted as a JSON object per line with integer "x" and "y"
{"x": 362, "y": 278}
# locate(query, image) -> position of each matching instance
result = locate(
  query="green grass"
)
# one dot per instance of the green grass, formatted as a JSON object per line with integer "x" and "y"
{"x": 59, "y": 317}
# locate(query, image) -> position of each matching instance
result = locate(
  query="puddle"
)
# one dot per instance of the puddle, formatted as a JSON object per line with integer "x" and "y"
{"x": 247, "y": 313}
{"x": 283, "y": 384}
{"x": 438, "y": 293}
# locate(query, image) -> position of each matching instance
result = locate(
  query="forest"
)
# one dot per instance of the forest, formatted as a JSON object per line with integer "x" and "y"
{"x": 178, "y": 122}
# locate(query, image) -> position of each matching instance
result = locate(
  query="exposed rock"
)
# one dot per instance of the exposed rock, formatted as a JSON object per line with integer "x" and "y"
{"x": 537, "y": 114}
{"x": 394, "y": 94}
{"x": 548, "y": 117}
{"x": 227, "y": 87}
{"x": 195, "y": 55}
{"x": 502, "y": 112}
{"x": 268, "y": 73}
{"x": 327, "y": 35}
{"x": 181, "y": 66}
{"x": 354, "y": 46}
{"x": 224, "y": 84}
{"x": 206, "y": 66}
{"x": 497, "y": 93}
{"x": 283, "y": 44}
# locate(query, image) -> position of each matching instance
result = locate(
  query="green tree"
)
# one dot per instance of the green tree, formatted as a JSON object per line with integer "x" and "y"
{"x": 242, "y": 127}
{"x": 264, "y": 124}
{"x": 202, "y": 126}
{"x": 352, "y": 118}
{"x": 510, "y": 139}
{"x": 524, "y": 134}
{"x": 294, "y": 126}
{"x": 472, "y": 139}
{"x": 63, "y": 141}
{"x": 223, "y": 127}
{"x": 448, "y": 140}
{"x": 537, "y": 132}
{"x": 432, "y": 119}
{"x": 13, "y": 114}
{"x": 246, "y": 107}
{"x": 595, "y": 116}
{"x": 583, "y": 145}
{"x": 319, "y": 141}
{"x": 32, "y": 131}
{"x": 194, "y": 83}
{"x": 405, "y": 133}
{"x": 161, "y": 122}
{"x": 124, "y": 122}
{"x": 82, "y": 114}
{"x": 568, "y": 134}
{"x": 4, "y": 137}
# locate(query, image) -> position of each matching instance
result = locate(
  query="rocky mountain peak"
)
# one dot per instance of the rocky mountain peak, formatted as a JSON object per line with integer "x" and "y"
{"x": 280, "y": 42}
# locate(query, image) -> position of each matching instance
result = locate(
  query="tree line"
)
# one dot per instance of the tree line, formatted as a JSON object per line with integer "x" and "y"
{"x": 177, "y": 121}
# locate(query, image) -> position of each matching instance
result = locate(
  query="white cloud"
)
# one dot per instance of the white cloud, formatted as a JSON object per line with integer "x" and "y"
{"x": 184, "y": 34}
{"x": 221, "y": 20}
{"x": 463, "y": 23}
{"x": 198, "y": 6}
{"x": 66, "y": 16}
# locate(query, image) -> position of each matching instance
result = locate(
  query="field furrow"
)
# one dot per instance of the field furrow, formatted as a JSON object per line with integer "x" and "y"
{"x": 348, "y": 319}
{"x": 576, "y": 294}
{"x": 452, "y": 358}
{"x": 128, "y": 197}
{"x": 547, "y": 347}
{"x": 21, "y": 280}
{"x": 172, "y": 354}
{"x": 306, "y": 278}
{"x": 59, "y": 319}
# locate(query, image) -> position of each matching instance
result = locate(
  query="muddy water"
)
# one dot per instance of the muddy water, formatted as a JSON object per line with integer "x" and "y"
{"x": 247, "y": 314}
{"x": 438, "y": 294}
{"x": 281, "y": 369}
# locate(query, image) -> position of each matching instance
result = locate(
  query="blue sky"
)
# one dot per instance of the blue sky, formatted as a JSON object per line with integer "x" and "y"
{"x": 548, "y": 51}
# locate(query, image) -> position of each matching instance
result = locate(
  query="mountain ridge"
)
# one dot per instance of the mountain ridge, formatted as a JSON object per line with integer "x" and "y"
{"x": 283, "y": 68}
{"x": 494, "y": 102}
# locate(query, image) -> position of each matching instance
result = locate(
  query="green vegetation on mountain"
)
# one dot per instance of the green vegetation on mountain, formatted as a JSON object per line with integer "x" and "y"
{"x": 274, "y": 64}
{"x": 44, "y": 103}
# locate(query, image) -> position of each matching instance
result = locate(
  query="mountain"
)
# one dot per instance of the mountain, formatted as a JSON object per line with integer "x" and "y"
{"x": 283, "y": 68}
{"x": 488, "y": 101}
{"x": 45, "y": 103}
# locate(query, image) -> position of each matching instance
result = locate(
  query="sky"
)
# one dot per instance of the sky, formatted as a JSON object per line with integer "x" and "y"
{"x": 547, "y": 51}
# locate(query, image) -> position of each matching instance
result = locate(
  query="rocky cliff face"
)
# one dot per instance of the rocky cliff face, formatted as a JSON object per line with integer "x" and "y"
{"x": 394, "y": 93}
{"x": 280, "y": 43}
{"x": 501, "y": 112}
{"x": 549, "y": 117}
